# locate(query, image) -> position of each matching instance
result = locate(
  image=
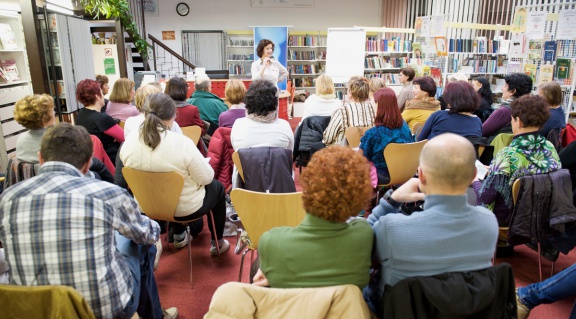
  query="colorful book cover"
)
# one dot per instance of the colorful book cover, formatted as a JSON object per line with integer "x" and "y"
{"x": 4, "y": 78}
{"x": 549, "y": 51}
{"x": 7, "y": 37}
{"x": 417, "y": 51}
{"x": 562, "y": 68}
{"x": 516, "y": 44}
{"x": 546, "y": 73}
{"x": 530, "y": 70}
{"x": 534, "y": 50}
{"x": 10, "y": 69}
{"x": 515, "y": 67}
{"x": 436, "y": 74}
{"x": 441, "y": 47}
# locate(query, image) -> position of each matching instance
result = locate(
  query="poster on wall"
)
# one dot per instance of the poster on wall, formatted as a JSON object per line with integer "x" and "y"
{"x": 109, "y": 66}
{"x": 519, "y": 22}
{"x": 535, "y": 24}
{"x": 168, "y": 35}
{"x": 279, "y": 36}
{"x": 425, "y": 31}
{"x": 566, "y": 25}
{"x": 150, "y": 8}
{"x": 437, "y": 26}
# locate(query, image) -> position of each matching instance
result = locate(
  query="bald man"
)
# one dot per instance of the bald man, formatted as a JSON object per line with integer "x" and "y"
{"x": 209, "y": 105}
{"x": 449, "y": 235}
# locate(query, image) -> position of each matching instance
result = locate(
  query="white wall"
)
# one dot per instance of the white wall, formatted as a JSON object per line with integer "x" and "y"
{"x": 240, "y": 15}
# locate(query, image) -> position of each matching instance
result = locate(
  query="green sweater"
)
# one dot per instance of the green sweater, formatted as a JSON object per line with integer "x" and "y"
{"x": 209, "y": 105}
{"x": 317, "y": 253}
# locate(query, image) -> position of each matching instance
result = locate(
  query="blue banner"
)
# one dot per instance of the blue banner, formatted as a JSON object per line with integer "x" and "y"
{"x": 278, "y": 35}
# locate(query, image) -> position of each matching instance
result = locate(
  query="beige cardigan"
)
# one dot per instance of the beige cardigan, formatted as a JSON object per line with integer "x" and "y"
{"x": 239, "y": 300}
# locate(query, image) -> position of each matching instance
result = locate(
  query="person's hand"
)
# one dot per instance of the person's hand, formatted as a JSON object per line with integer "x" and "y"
{"x": 408, "y": 192}
{"x": 260, "y": 280}
{"x": 267, "y": 61}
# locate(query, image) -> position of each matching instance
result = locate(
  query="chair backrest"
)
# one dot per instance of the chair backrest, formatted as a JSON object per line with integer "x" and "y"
{"x": 157, "y": 194}
{"x": 121, "y": 124}
{"x": 402, "y": 160}
{"x": 192, "y": 132}
{"x": 43, "y": 302}
{"x": 515, "y": 190}
{"x": 354, "y": 134}
{"x": 501, "y": 140}
{"x": 261, "y": 212}
{"x": 417, "y": 128}
{"x": 238, "y": 164}
{"x": 265, "y": 169}
{"x": 17, "y": 171}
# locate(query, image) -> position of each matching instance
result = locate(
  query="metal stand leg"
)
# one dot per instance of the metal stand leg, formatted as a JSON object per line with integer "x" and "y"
{"x": 189, "y": 254}
{"x": 242, "y": 265}
{"x": 214, "y": 231}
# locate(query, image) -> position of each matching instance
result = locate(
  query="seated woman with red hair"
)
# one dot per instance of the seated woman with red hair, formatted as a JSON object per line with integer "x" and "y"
{"x": 89, "y": 93}
{"x": 303, "y": 256}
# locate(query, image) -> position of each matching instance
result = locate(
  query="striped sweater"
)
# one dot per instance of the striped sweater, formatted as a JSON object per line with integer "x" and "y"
{"x": 353, "y": 114}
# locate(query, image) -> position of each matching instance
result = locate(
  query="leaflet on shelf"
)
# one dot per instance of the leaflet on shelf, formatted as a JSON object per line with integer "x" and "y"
{"x": 7, "y": 37}
{"x": 10, "y": 69}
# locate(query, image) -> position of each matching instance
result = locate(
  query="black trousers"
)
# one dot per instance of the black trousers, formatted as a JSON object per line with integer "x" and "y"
{"x": 215, "y": 201}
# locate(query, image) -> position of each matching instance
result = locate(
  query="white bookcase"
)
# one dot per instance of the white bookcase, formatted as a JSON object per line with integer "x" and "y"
{"x": 10, "y": 93}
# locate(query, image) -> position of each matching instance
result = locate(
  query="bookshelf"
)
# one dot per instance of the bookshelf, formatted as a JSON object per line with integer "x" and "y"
{"x": 306, "y": 58}
{"x": 387, "y": 51}
{"x": 13, "y": 50}
{"x": 239, "y": 53}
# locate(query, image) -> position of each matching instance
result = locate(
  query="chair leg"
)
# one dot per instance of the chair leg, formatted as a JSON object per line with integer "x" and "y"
{"x": 540, "y": 261}
{"x": 242, "y": 265}
{"x": 166, "y": 236}
{"x": 214, "y": 231}
{"x": 189, "y": 254}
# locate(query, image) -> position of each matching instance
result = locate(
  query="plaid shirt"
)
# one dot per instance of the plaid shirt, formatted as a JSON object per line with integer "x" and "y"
{"x": 58, "y": 229}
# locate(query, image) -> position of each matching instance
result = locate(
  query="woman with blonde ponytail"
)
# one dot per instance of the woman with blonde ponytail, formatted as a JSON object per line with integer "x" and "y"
{"x": 157, "y": 149}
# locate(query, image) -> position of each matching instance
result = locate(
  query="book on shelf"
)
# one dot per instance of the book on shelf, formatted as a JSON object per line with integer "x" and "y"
{"x": 546, "y": 73}
{"x": 417, "y": 49}
{"x": 515, "y": 67}
{"x": 530, "y": 70}
{"x": 7, "y": 37}
{"x": 535, "y": 50}
{"x": 563, "y": 68}
{"x": 10, "y": 69}
{"x": 441, "y": 48}
{"x": 240, "y": 42}
{"x": 306, "y": 41}
{"x": 516, "y": 44}
{"x": 549, "y": 51}
{"x": 436, "y": 74}
{"x": 4, "y": 78}
{"x": 395, "y": 44}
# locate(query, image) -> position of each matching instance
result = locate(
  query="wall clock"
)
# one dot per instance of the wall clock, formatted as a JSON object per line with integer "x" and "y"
{"x": 182, "y": 9}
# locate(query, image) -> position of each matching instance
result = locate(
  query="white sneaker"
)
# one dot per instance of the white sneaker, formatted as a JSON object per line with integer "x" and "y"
{"x": 170, "y": 313}
{"x": 223, "y": 248}
{"x": 181, "y": 240}
{"x": 158, "y": 245}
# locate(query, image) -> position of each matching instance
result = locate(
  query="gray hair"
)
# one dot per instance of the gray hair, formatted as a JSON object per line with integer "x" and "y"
{"x": 202, "y": 83}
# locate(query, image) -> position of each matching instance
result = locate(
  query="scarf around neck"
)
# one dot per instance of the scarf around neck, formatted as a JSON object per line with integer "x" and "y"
{"x": 528, "y": 154}
{"x": 269, "y": 118}
{"x": 327, "y": 96}
{"x": 429, "y": 103}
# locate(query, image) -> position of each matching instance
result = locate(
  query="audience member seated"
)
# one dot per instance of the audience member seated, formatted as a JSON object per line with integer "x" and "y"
{"x": 424, "y": 103}
{"x": 101, "y": 125}
{"x": 100, "y": 241}
{"x": 157, "y": 149}
{"x": 558, "y": 287}
{"x": 389, "y": 127}
{"x": 122, "y": 95}
{"x": 449, "y": 235}
{"x": 552, "y": 94}
{"x": 34, "y": 112}
{"x": 451, "y": 78}
{"x": 133, "y": 123}
{"x": 220, "y": 154}
{"x": 186, "y": 114}
{"x": 304, "y": 256}
{"x": 459, "y": 118}
{"x": 356, "y": 113}
{"x": 515, "y": 86}
{"x": 375, "y": 85}
{"x": 103, "y": 80}
{"x": 324, "y": 102}
{"x": 209, "y": 105}
{"x": 235, "y": 91}
{"x": 528, "y": 154}
{"x": 261, "y": 126}
{"x": 482, "y": 86}
{"x": 568, "y": 159}
{"x": 406, "y": 76}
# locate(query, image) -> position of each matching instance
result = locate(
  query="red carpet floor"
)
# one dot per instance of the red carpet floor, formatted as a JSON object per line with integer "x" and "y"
{"x": 209, "y": 273}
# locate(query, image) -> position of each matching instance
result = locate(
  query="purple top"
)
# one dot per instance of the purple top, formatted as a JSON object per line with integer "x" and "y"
{"x": 497, "y": 121}
{"x": 227, "y": 119}
{"x": 490, "y": 195}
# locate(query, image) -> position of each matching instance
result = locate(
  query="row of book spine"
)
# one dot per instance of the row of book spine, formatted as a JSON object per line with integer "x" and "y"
{"x": 386, "y": 45}
{"x": 304, "y": 82}
{"x": 240, "y": 42}
{"x": 304, "y": 69}
{"x": 306, "y": 40}
{"x": 247, "y": 57}
{"x": 481, "y": 45}
{"x": 306, "y": 55}
{"x": 382, "y": 62}
{"x": 391, "y": 79}
{"x": 235, "y": 68}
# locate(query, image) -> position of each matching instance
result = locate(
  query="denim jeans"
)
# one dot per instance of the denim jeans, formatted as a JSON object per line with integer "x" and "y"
{"x": 140, "y": 259}
{"x": 558, "y": 287}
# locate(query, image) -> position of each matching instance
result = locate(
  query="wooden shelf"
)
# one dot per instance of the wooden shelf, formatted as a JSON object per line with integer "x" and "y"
{"x": 306, "y": 61}
{"x": 306, "y": 46}
{"x": 13, "y": 83}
